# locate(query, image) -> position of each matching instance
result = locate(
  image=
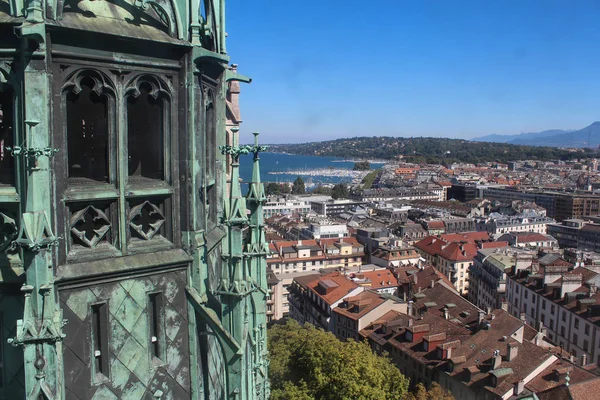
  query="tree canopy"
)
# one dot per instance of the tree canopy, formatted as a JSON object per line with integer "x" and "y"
{"x": 429, "y": 150}
{"x": 322, "y": 190}
{"x": 273, "y": 188}
{"x": 362, "y": 166}
{"x": 435, "y": 393}
{"x": 307, "y": 363}
{"x": 298, "y": 186}
{"x": 339, "y": 191}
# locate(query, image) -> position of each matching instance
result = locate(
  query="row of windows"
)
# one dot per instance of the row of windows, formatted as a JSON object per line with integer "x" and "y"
{"x": 91, "y": 111}
{"x": 91, "y": 108}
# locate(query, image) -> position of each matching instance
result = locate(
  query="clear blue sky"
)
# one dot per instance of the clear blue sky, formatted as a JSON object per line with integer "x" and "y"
{"x": 331, "y": 68}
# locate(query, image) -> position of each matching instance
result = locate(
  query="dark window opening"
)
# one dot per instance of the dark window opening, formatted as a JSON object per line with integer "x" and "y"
{"x": 211, "y": 203}
{"x": 7, "y": 161}
{"x": 145, "y": 118}
{"x": 156, "y": 325}
{"x": 100, "y": 341}
{"x": 210, "y": 127}
{"x": 87, "y": 133}
{"x": 1, "y": 352}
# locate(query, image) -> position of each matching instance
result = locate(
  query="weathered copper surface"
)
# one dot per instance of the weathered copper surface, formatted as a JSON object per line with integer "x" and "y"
{"x": 125, "y": 267}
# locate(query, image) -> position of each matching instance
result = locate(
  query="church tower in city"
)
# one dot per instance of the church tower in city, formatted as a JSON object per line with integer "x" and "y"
{"x": 132, "y": 265}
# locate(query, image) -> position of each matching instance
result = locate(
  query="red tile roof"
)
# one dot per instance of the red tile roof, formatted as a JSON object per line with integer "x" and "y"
{"x": 436, "y": 225}
{"x": 454, "y": 246}
{"x": 358, "y": 306}
{"x": 382, "y": 278}
{"x": 423, "y": 278}
{"x": 344, "y": 286}
{"x": 494, "y": 245}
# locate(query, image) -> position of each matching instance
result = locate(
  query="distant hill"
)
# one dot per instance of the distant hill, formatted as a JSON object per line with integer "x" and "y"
{"x": 520, "y": 137}
{"x": 426, "y": 150}
{"x": 553, "y": 137}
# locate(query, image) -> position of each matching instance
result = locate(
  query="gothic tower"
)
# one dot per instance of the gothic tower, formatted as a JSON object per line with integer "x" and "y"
{"x": 131, "y": 265}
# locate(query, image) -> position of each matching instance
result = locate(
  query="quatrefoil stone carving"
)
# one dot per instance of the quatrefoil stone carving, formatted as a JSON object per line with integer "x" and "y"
{"x": 146, "y": 219}
{"x": 90, "y": 225}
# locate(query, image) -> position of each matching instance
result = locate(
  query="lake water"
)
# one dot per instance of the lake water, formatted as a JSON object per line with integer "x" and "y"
{"x": 293, "y": 165}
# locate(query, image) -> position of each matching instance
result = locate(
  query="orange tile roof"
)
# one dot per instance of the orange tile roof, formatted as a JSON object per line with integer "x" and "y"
{"x": 380, "y": 278}
{"x": 423, "y": 278}
{"x": 344, "y": 286}
{"x": 466, "y": 236}
{"x": 364, "y": 302}
{"x": 494, "y": 245}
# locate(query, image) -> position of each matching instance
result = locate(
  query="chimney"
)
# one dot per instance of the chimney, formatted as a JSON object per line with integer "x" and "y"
{"x": 480, "y": 317}
{"x": 432, "y": 283}
{"x": 584, "y": 360}
{"x": 511, "y": 351}
{"x": 488, "y": 310}
{"x": 496, "y": 360}
{"x": 446, "y": 313}
{"x": 522, "y": 317}
{"x": 299, "y": 242}
{"x": 409, "y": 309}
{"x": 519, "y": 387}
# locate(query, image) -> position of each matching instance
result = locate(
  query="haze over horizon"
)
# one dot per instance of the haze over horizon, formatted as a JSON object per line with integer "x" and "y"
{"x": 458, "y": 69}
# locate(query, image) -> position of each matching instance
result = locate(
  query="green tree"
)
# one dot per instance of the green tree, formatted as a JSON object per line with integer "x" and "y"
{"x": 339, "y": 191}
{"x": 308, "y": 363}
{"x": 286, "y": 188}
{"x": 435, "y": 393}
{"x": 298, "y": 186}
{"x": 322, "y": 190}
{"x": 362, "y": 166}
{"x": 272, "y": 189}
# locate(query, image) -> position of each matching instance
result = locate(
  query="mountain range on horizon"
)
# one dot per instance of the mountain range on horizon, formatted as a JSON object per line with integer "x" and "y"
{"x": 552, "y": 137}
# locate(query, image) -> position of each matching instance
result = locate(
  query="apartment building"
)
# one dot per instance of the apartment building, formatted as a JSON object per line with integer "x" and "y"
{"x": 577, "y": 233}
{"x": 529, "y": 240}
{"x": 392, "y": 256}
{"x": 290, "y": 259}
{"x": 563, "y": 300}
{"x": 283, "y": 205}
{"x": 331, "y": 208}
{"x": 453, "y": 255}
{"x": 496, "y": 358}
{"x": 322, "y": 229}
{"x": 496, "y": 224}
{"x": 410, "y": 232}
{"x": 312, "y": 298}
{"x": 559, "y": 205}
{"x": 379, "y": 280}
{"x": 488, "y": 274}
{"x": 356, "y": 312}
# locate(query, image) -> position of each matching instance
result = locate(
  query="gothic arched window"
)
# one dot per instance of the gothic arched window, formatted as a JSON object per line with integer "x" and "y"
{"x": 89, "y": 127}
{"x": 7, "y": 162}
{"x": 147, "y": 129}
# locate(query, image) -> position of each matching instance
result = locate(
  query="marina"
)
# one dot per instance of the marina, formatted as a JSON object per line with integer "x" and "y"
{"x": 314, "y": 170}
